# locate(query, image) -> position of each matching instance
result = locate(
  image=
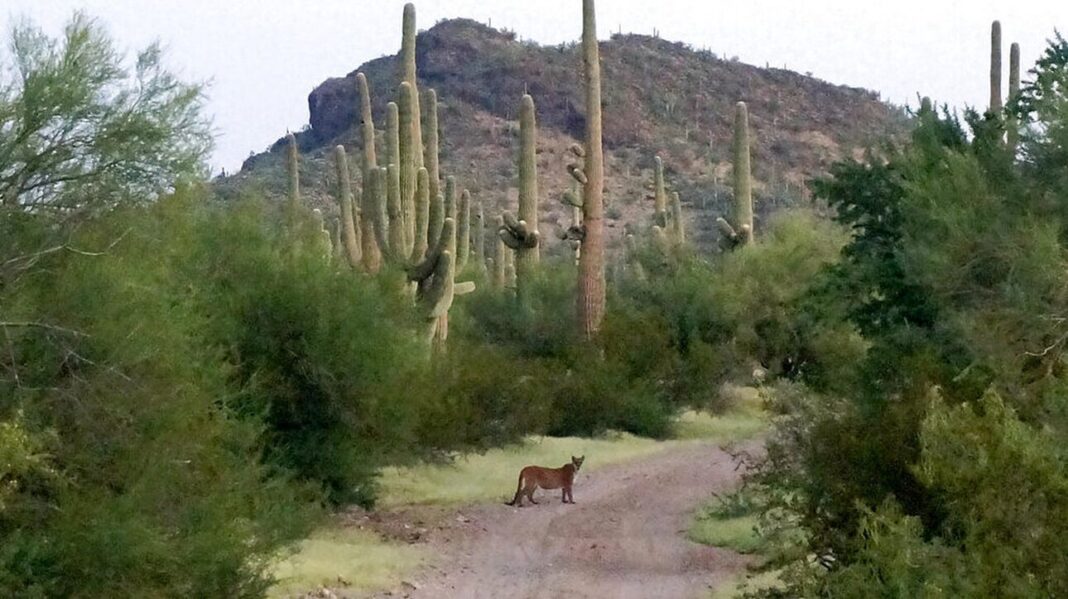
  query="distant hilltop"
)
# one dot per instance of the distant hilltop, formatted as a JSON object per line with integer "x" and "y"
{"x": 660, "y": 98}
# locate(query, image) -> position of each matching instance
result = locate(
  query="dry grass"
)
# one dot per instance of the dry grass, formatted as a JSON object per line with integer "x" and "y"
{"x": 345, "y": 558}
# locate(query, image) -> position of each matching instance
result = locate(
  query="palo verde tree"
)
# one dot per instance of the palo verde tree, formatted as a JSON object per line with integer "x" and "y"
{"x": 82, "y": 131}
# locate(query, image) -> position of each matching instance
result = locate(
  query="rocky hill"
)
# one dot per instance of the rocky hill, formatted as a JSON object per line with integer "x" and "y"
{"x": 659, "y": 97}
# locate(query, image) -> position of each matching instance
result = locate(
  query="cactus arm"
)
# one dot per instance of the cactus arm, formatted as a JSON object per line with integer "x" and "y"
{"x": 349, "y": 233}
{"x": 422, "y": 214}
{"x": 398, "y": 240}
{"x": 433, "y": 168}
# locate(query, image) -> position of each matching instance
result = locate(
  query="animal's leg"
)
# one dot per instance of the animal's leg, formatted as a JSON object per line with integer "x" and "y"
{"x": 530, "y": 494}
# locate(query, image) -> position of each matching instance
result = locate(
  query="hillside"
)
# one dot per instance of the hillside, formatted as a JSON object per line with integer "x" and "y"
{"x": 660, "y": 98}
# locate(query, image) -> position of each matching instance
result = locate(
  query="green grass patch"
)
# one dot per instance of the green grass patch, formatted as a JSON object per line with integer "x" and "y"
{"x": 349, "y": 558}
{"x": 747, "y": 583}
{"x": 737, "y": 533}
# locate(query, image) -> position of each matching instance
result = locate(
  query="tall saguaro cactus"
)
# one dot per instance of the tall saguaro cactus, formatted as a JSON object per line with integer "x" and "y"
{"x": 350, "y": 234}
{"x": 678, "y": 228}
{"x": 741, "y": 233}
{"x": 409, "y": 165}
{"x": 521, "y": 234}
{"x": 995, "y": 67}
{"x": 463, "y": 242}
{"x": 433, "y": 168}
{"x": 370, "y": 254}
{"x": 409, "y": 76}
{"x": 1013, "y": 126}
{"x": 480, "y": 239}
{"x": 500, "y": 259}
{"x": 591, "y": 283}
{"x": 293, "y": 173}
{"x": 660, "y": 217}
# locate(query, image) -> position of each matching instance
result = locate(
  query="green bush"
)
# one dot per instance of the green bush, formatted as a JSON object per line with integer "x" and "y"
{"x": 130, "y": 472}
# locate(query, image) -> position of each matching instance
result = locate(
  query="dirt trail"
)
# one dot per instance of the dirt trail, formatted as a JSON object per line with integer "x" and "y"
{"x": 624, "y": 538}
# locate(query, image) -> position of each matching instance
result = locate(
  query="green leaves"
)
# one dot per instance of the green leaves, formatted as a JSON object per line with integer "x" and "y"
{"x": 81, "y": 132}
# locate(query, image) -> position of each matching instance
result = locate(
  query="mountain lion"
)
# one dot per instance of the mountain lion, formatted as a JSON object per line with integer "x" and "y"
{"x": 533, "y": 477}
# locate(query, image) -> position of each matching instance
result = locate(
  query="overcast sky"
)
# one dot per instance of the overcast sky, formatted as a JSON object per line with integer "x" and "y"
{"x": 262, "y": 57}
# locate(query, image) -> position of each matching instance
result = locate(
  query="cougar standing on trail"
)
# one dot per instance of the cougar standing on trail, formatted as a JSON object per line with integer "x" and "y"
{"x": 533, "y": 477}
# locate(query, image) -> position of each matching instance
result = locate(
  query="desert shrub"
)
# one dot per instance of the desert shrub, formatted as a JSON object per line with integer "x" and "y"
{"x": 945, "y": 444}
{"x": 478, "y": 396}
{"x": 129, "y": 469}
{"x": 746, "y": 309}
{"x": 310, "y": 350}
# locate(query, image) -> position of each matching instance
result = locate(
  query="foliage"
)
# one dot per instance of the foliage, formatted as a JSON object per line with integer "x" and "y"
{"x": 132, "y": 472}
{"x": 937, "y": 467}
{"x": 81, "y": 131}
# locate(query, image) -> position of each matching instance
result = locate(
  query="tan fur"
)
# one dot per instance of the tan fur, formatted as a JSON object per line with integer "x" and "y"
{"x": 532, "y": 478}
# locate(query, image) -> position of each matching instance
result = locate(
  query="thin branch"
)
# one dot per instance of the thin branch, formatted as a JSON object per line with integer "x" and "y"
{"x": 39, "y": 325}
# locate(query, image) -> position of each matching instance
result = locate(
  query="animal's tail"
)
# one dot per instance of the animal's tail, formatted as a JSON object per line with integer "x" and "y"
{"x": 518, "y": 489}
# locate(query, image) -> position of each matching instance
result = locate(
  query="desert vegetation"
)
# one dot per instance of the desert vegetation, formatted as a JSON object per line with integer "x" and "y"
{"x": 195, "y": 375}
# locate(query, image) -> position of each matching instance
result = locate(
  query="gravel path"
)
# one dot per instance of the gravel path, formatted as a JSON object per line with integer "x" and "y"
{"x": 624, "y": 538}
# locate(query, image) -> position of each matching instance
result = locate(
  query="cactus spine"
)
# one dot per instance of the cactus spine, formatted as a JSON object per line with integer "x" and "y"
{"x": 1013, "y": 126}
{"x": 995, "y": 67}
{"x": 591, "y": 283}
{"x": 741, "y": 233}
{"x": 350, "y": 234}
{"x": 372, "y": 257}
{"x": 521, "y": 235}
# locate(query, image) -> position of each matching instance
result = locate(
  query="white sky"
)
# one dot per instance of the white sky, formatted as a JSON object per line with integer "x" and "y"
{"x": 264, "y": 56}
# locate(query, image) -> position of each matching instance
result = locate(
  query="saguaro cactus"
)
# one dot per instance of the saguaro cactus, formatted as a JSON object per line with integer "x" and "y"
{"x": 326, "y": 246}
{"x": 410, "y": 77}
{"x": 995, "y": 67}
{"x": 479, "y": 240}
{"x": 409, "y": 166}
{"x": 370, "y": 254}
{"x": 398, "y": 234}
{"x": 500, "y": 259}
{"x": 660, "y": 216}
{"x": 1013, "y": 126}
{"x": 422, "y": 214}
{"x": 591, "y": 284}
{"x": 293, "y": 173}
{"x": 350, "y": 233}
{"x": 437, "y": 217}
{"x": 741, "y": 233}
{"x": 436, "y": 285}
{"x": 463, "y": 242}
{"x": 521, "y": 234}
{"x": 678, "y": 229}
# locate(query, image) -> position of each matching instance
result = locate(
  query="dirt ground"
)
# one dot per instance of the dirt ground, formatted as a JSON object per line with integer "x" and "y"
{"x": 623, "y": 538}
